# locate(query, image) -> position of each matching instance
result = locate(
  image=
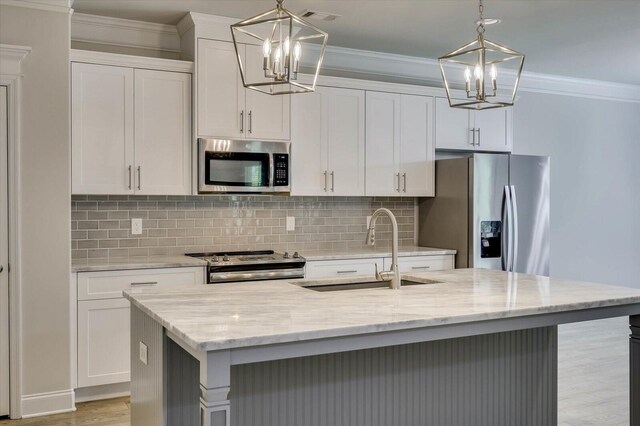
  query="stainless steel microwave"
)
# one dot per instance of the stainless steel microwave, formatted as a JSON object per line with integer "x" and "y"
{"x": 233, "y": 166}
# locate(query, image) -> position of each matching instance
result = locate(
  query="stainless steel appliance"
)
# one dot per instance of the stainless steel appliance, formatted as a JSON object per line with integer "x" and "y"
{"x": 236, "y": 266}
{"x": 243, "y": 166}
{"x": 493, "y": 209}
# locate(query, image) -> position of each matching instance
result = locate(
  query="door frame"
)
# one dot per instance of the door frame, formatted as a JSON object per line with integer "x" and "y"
{"x": 11, "y": 76}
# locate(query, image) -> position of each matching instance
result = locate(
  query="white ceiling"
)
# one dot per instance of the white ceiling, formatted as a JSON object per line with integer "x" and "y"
{"x": 598, "y": 39}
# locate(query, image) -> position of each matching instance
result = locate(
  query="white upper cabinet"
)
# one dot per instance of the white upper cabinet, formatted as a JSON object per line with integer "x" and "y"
{"x": 221, "y": 101}
{"x": 131, "y": 130}
{"x": 461, "y": 129}
{"x": 225, "y": 108}
{"x": 400, "y": 150}
{"x": 162, "y": 132}
{"x": 102, "y": 129}
{"x": 328, "y": 142}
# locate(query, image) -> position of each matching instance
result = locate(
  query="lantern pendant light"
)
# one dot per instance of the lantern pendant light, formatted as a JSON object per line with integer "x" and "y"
{"x": 282, "y": 39}
{"x": 479, "y": 63}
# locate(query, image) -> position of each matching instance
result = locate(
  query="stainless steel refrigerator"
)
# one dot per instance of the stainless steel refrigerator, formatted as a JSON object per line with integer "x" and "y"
{"x": 493, "y": 209}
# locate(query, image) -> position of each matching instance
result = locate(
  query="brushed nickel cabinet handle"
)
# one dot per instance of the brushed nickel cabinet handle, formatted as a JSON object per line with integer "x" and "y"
{"x": 420, "y": 267}
{"x": 347, "y": 272}
{"x": 139, "y": 177}
{"x": 333, "y": 181}
{"x": 325, "y": 181}
{"x": 473, "y": 135}
{"x": 250, "y": 121}
{"x": 404, "y": 182}
{"x": 145, "y": 283}
{"x": 478, "y": 136}
{"x": 242, "y": 121}
{"x": 129, "y": 176}
{"x": 398, "y": 185}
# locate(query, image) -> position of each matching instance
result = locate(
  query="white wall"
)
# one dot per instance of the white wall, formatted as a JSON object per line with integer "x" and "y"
{"x": 45, "y": 209}
{"x": 595, "y": 182}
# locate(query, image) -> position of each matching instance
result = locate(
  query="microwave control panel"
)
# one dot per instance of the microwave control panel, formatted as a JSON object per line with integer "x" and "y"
{"x": 281, "y": 169}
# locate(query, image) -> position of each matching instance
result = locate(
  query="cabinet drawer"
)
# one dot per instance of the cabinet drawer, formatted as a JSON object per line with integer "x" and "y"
{"x": 421, "y": 263}
{"x": 332, "y": 268}
{"x": 110, "y": 284}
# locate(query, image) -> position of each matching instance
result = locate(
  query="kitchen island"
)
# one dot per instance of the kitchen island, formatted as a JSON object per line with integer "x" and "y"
{"x": 468, "y": 347}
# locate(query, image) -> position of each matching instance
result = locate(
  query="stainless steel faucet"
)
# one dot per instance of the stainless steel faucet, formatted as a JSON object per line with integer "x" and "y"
{"x": 392, "y": 275}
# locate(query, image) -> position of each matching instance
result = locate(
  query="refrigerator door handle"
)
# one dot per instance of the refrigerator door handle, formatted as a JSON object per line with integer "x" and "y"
{"x": 507, "y": 231}
{"x": 514, "y": 207}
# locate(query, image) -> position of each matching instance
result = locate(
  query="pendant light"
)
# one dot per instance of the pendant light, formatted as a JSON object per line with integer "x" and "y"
{"x": 491, "y": 72}
{"x": 270, "y": 48}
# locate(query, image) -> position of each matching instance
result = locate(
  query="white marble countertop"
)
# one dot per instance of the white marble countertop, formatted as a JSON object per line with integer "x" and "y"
{"x": 366, "y": 252}
{"x": 227, "y": 316}
{"x": 134, "y": 262}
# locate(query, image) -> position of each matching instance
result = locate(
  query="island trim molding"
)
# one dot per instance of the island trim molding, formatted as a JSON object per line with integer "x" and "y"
{"x": 363, "y": 63}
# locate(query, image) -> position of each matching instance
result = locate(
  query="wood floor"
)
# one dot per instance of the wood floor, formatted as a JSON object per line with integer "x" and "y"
{"x": 593, "y": 388}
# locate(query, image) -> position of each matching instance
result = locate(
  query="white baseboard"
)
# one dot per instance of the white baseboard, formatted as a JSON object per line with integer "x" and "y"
{"x": 95, "y": 393}
{"x": 42, "y": 404}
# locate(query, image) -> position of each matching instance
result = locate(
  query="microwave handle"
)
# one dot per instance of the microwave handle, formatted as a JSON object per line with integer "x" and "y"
{"x": 271, "y": 171}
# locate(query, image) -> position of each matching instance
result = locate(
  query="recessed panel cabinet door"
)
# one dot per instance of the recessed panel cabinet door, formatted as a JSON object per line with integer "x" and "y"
{"x": 417, "y": 153}
{"x": 102, "y": 129}
{"x": 453, "y": 129}
{"x": 309, "y": 145}
{"x": 268, "y": 116}
{"x": 383, "y": 143}
{"x": 344, "y": 111}
{"x": 103, "y": 342}
{"x": 162, "y": 132}
{"x": 220, "y": 92}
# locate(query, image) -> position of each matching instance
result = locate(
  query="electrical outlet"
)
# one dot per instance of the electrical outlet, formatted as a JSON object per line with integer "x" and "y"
{"x": 143, "y": 353}
{"x": 291, "y": 223}
{"x": 369, "y": 221}
{"x": 136, "y": 226}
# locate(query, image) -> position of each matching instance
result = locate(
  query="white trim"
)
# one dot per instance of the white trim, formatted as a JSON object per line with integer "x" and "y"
{"x": 95, "y": 393}
{"x": 63, "y": 6}
{"x": 130, "y": 61}
{"x": 11, "y": 76}
{"x": 124, "y": 32}
{"x": 47, "y": 403}
{"x": 192, "y": 19}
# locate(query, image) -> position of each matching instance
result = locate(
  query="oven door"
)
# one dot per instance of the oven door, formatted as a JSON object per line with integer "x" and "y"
{"x": 234, "y": 166}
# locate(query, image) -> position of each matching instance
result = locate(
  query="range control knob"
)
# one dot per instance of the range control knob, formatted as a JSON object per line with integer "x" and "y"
{"x": 225, "y": 258}
{"x": 286, "y": 255}
{"x": 296, "y": 255}
{"x": 215, "y": 259}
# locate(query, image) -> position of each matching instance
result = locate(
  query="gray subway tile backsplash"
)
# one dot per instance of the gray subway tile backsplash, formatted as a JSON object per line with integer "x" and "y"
{"x": 182, "y": 224}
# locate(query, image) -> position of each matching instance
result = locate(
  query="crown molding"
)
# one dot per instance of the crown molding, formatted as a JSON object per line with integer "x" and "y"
{"x": 131, "y": 61}
{"x": 192, "y": 19}
{"x": 11, "y": 57}
{"x": 124, "y": 32}
{"x": 63, "y": 6}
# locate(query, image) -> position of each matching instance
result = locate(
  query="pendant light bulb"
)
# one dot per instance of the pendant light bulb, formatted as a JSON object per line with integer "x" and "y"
{"x": 477, "y": 72}
{"x": 297, "y": 51}
{"x": 266, "y": 48}
{"x": 287, "y": 46}
{"x": 467, "y": 75}
{"x": 494, "y": 72}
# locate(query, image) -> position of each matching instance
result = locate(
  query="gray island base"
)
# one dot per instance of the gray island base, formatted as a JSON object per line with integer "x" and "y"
{"x": 478, "y": 348}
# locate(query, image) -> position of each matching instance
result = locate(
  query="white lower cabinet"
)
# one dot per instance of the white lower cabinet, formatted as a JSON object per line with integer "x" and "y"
{"x": 103, "y": 318}
{"x": 348, "y": 267}
{"x": 408, "y": 264}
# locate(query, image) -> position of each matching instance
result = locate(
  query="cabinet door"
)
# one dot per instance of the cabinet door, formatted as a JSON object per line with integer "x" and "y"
{"x": 268, "y": 116}
{"x": 101, "y": 129}
{"x": 492, "y": 129}
{"x": 308, "y": 144}
{"x": 103, "y": 342}
{"x": 453, "y": 129}
{"x": 344, "y": 111}
{"x": 417, "y": 153}
{"x": 382, "y": 143}
{"x": 220, "y": 94}
{"x": 343, "y": 268}
{"x": 416, "y": 264}
{"x": 162, "y": 132}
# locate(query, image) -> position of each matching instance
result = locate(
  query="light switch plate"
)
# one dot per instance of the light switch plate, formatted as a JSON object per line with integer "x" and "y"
{"x": 143, "y": 353}
{"x": 136, "y": 226}
{"x": 291, "y": 223}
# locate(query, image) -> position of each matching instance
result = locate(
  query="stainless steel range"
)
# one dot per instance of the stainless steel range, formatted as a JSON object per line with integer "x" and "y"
{"x": 235, "y": 266}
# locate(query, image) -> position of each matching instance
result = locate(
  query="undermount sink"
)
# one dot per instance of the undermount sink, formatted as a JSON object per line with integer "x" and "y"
{"x": 362, "y": 285}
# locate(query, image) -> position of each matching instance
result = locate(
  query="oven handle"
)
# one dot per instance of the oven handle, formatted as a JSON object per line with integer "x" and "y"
{"x": 274, "y": 274}
{"x": 271, "y": 171}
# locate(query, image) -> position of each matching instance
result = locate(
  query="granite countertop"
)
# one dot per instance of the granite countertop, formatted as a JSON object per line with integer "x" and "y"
{"x": 148, "y": 262}
{"x": 136, "y": 262}
{"x": 237, "y": 315}
{"x": 360, "y": 253}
